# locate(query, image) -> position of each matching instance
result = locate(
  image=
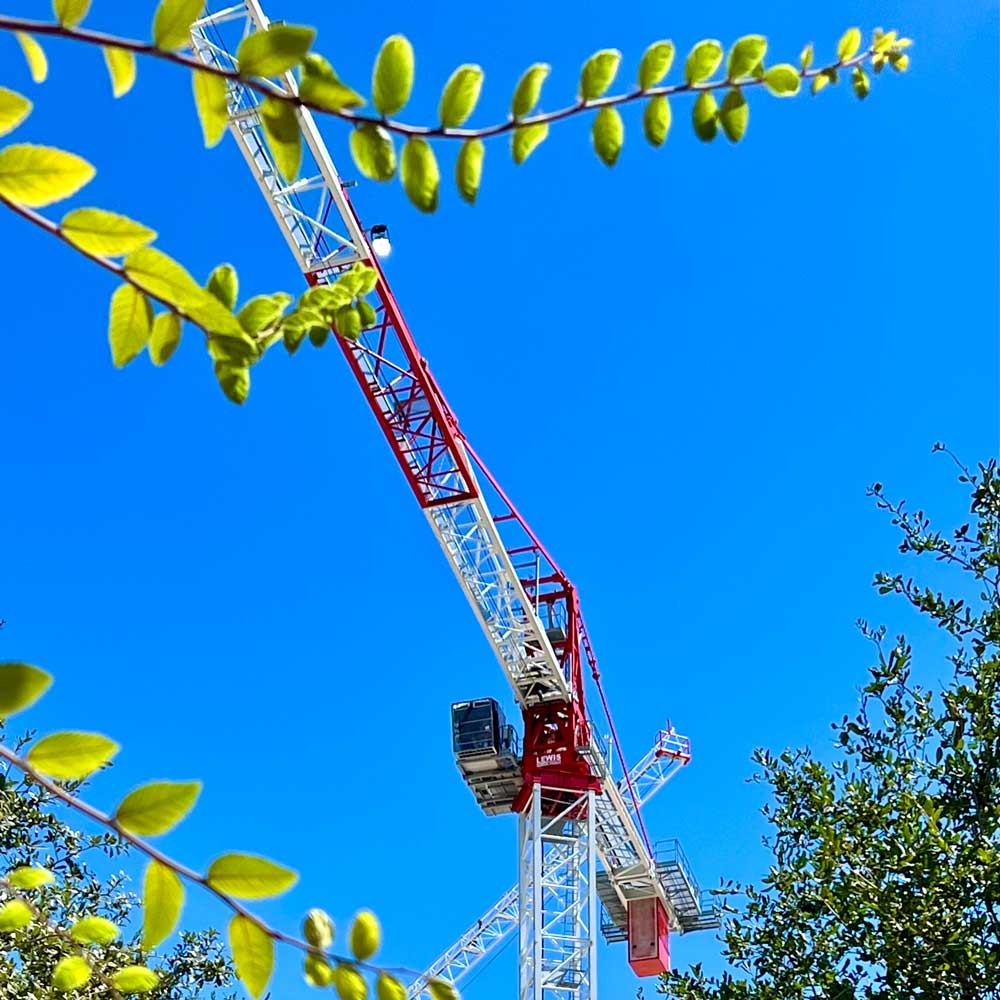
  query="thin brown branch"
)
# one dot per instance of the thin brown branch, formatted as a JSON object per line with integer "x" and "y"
{"x": 183, "y": 871}
{"x": 8, "y": 23}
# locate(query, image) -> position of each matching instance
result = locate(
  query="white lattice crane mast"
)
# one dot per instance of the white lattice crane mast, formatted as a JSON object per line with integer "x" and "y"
{"x": 571, "y": 814}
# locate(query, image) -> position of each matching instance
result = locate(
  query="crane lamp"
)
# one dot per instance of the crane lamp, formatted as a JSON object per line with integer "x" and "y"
{"x": 380, "y": 241}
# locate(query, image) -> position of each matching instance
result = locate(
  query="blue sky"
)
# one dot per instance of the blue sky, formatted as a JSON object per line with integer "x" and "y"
{"x": 685, "y": 372}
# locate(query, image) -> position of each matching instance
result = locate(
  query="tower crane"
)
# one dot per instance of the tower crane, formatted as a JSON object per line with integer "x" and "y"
{"x": 582, "y": 841}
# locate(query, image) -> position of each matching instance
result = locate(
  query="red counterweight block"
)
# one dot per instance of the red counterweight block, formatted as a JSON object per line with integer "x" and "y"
{"x": 648, "y": 937}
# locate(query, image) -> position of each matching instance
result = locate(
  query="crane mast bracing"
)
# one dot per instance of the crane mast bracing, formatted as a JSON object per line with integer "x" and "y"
{"x": 571, "y": 814}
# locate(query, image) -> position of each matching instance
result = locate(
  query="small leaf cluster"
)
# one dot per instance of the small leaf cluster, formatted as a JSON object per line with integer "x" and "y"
{"x": 152, "y": 810}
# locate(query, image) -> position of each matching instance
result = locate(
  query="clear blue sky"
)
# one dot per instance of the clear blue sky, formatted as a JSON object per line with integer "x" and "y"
{"x": 685, "y": 371}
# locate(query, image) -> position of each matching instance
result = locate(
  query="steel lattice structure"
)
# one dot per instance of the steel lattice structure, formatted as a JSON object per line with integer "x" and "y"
{"x": 572, "y": 814}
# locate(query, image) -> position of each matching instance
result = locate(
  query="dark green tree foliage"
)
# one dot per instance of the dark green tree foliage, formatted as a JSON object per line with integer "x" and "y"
{"x": 87, "y": 883}
{"x": 885, "y": 881}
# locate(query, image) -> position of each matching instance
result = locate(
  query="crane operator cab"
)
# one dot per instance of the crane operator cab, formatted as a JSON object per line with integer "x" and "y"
{"x": 486, "y": 753}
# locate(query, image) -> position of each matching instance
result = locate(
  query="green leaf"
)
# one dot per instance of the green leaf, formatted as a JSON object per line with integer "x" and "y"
{"x": 234, "y": 380}
{"x": 392, "y": 77}
{"x": 529, "y": 89}
{"x": 365, "y": 936}
{"x": 734, "y": 115}
{"x": 860, "y": 82}
{"x": 373, "y": 152}
{"x": 38, "y": 65}
{"x": 157, "y": 807}
{"x": 389, "y": 988}
{"x": 705, "y": 116}
{"x": 899, "y": 61}
{"x": 318, "y": 929}
{"x": 70, "y": 973}
{"x": 21, "y": 685}
{"x": 121, "y": 69}
{"x": 172, "y": 23}
{"x": 350, "y": 984}
{"x": 526, "y": 138}
{"x": 469, "y": 169}
{"x": 319, "y": 336}
{"x": 15, "y": 915}
{"x": 211, "y": 103}
{"x": 39, "y": 175}
{"x": 30, "y": 878}
{"x": 419, "y": 173}
{"x": 14, "y": 108}
{"x": 164, "y": 338}
{"x": 806, "y": 57}
{"x": 322, "y": 87}
{"x": 746, "y": 55}
{"x": 318, "y": 971}
{"x": 281, "y": 128}
{"x": 608, "y": 135}
{"x": 70, "y": 756}
{"x": 269, "y": 53}
{"x": 460, "y": 94}
{"x": 598, "y": 73}
{"x": 366, "y": 277}
{"x": 655, "y": 64}
{"x": 166, "y": 280}
{"x": 656, "y": 120}
{"x": 703, "y": 60}
{"x": 104, "y": 233}
{"x": 70, "y": 13}
{"x": 783, "y": 80}
{"x": 94, "y": 930}
{"x": 822, "y": 80}
{"x": 441, "y": 989}
{"x": 135, "y": 979}
{"x": 253, "y": 954}
{"x": 129, "y": 324}
{"x": 367, "y": 313}
{"x": 224, "y": 285}
{"x": 262, "y": 312}
{"x": 247, "y": 876}
{"x": 850, "y": 42}
{"x": 348, "y": 322}
{"x": 162, "y": 900}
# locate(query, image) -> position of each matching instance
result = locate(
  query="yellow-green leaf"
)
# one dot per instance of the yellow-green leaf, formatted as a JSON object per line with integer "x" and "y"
{"x": 157, "y": 807}
{"x": 14, "y": 108}
{"x": 469, "y": 169}
{"x": 883, "y": 40}
{"x": 39, "y": 175}
{"x": 262, "y": 312}
{"x": 389, "y": 987}
{"x": 104, "y": 233}
{"x": 164, "y": 338}
{"x": 348, "y": 322}
{"x": 461, "y": 92}
{"x": 529, "y": 89}
{"x": 656, "y": 120}
{"x": 419, "y": 173}
{"x": 806, "y": 57}
{"x": 70, "y": 13}
{"x": 135, "y": 979}
{"x": 373, "y": 152}
{"x": 734, "y": 115}
{"x": 15, "y": 915}
{"x": 72, "y": 755}
{"x": 783, "y": 80}
{"x": 441, "y": 989}
{"x": 526, "y": 138}
{"x": 121, "y": 69}
{"x": 253, "y": 954}
{"x": 30, "y": 878}
{"x": 899, "y": 61}
{"x": 281, "y": 129}
{"x": 270, "y": 53}
{"x": 38, "y": 65}
{"x": 172, "y": 23}
{"x": 849, "y": 44}
{"x": 94, "y": 930}
{"x": 21, "y": 685}
{"x": 349, "y": 983}
{"x": 210, "y": 101}
{"x": 705, "y": 116}
{"x": 318, "y": 971}
{"x": 234, "y": 381}
{"x": 322, "y": 87}
{"x": 746, "y": 55}
{"x": 655, "y": 64}
{"x": 608, "y": 134}
{"x": 860, "y": 82}
{"x": 223, "y": 284}
{"x": 162, "y": 901}
{"x": 247, "y": 876}
{"x": 365, "y": 936}
{"x": 70, "y": 973}
{"x": 703, "y": 60}
{"x": 318, "y": 928}
{"x": 392, "y": 77}
{"x": 130, "y": 321}
{"x": 598, "y": 73}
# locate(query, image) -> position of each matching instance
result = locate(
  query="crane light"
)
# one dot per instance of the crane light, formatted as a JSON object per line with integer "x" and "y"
{"x": 380, "y": 241}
